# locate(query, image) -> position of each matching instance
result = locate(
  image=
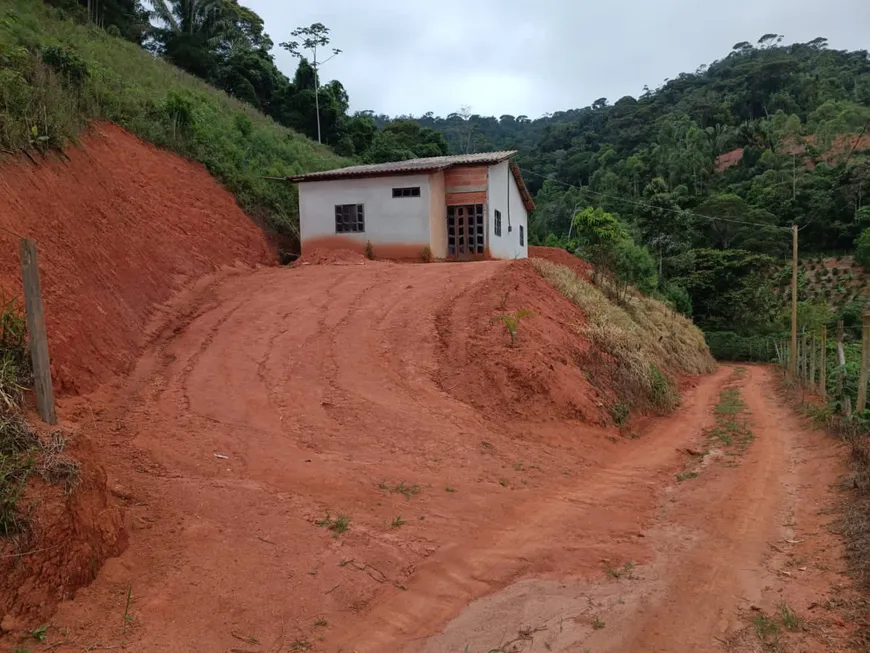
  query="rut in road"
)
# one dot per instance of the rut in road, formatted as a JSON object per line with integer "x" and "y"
{"x": 733, "y": 548}
{"x": 276, "y": 401}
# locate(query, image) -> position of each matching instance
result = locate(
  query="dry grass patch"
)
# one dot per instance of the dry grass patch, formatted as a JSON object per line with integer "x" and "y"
{"x": 645, "y": 344}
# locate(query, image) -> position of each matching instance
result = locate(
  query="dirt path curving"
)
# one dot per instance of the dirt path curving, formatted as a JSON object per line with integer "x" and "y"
{"x": 274, "y": 402}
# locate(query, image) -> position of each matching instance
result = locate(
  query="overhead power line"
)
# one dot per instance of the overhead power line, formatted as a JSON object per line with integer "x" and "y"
{"x": 658, "y": 208}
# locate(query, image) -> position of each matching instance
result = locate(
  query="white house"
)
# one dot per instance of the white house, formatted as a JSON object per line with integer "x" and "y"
{"x": 468, "y": 206}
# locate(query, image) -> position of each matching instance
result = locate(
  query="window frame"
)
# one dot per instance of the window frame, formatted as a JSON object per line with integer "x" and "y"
{"x": 402, "y": 192}
{"x": 522, "y": 236}
{"x": 350, "y": 218}
{"x": 497, "y": 223}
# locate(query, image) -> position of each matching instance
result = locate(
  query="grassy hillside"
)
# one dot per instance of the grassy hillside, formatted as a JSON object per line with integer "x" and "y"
{"x": 56, "y": 76}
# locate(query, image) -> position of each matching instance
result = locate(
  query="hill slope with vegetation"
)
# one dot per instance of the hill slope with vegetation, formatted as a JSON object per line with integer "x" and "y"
{"x": 768, "y": 136}
{"x": 57, "y": 74}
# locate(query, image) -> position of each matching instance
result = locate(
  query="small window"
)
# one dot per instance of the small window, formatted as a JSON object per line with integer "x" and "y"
{"x": 522, "y": 237}
{"x": 412, "y": 191}
{"x": 349, "y": 218}
{"x": 498, "y": 223}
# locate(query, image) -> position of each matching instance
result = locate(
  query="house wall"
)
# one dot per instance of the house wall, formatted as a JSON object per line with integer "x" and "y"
{"x": 504, "y": 196}
{"x": 396, "y": 227}
{"x": 465, "y": 185}
{"x": 437, "y": 215}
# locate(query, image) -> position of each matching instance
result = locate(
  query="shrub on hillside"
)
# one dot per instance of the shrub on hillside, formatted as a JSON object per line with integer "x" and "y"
{"x": 862, "y": 249}
{"x": 56, "y": 76}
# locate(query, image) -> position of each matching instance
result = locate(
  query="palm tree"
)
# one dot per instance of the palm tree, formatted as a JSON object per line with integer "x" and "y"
{"x": 191, "y": 32}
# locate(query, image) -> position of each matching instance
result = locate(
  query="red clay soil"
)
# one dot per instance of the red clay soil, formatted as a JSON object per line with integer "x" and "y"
{"x": 120, "y": 226}
{"x": 277, "y": 402}
{"x": 561, "y": 257}
{"x": 69, "y": 537}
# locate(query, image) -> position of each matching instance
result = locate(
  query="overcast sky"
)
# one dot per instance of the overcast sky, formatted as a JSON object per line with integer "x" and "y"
{"x": 538, "y": 56}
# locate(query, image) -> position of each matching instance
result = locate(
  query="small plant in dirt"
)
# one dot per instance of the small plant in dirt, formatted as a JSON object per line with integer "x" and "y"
{"x": 426, "y": 254}
{"x": 512, "y": 321}
{"x": 790, "y": 619}
{"x": 619, "y": 412}
{"x": 39, "y": 634}
{"x": 321, "y": 623}
{"x": 337, "y": 525}
{"x": 597, "y": 623}
{"x": 450, "y": 489}
{"x": 627, "y": 571}
{"x": 685, "y": 476}
{"x": 406, "y": 491}
{"x": 397, "y": 522}
{"x": 369, "y": 251}
{"x": 766, "y": 628}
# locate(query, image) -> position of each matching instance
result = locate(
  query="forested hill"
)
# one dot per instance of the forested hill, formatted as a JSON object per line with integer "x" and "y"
{"x": 769, "y": 134}
{"x": 769, "y": 98}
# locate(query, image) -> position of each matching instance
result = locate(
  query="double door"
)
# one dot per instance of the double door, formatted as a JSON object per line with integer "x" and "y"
{"x": 466, "y": 236}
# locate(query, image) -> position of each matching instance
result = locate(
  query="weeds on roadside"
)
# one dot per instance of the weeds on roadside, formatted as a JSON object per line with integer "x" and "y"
{"x": 766, "y": 628}
{"x": 15, "y": 369}
{"x": 790, "y": 619}
{"x": 730, "y": 429}
{"x": 337, "y": 525}
{"x": 597, "y": 623}
{"x": 369, "y": 251}
{"x": 406, "y": 491}
{"x": 627, "y": 570}
{"x": 397, "y": 522}
{"x": 685, "y": 476}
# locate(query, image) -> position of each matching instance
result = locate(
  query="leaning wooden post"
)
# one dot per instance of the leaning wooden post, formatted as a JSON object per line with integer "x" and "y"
{"x": 865, "y": 362}
{"x": 812, "y": 385}
{"x": 823, "y": 366}
{"x": 36, "y": 328}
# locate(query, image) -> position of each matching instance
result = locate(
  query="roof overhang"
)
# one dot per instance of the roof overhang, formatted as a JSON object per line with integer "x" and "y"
{"x": 422, "y": 166}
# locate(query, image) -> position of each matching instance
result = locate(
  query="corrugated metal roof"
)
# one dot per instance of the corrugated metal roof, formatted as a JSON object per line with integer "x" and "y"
{"x": 406, "y": 167}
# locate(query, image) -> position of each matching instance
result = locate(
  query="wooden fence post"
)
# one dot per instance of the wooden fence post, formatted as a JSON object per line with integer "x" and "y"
{"x": 36, "y": 328}
{"x": 823, "y": 366}
{"x": 865, "y": 362}
{"x": 804, "y": 357}
{"x": 841, "y": 364}
{"x": 812, "y": 384}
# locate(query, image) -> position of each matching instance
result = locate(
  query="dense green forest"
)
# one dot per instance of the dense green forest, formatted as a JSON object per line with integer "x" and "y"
{"x": 695, "y": 183}
{"x": 769, "y": 136}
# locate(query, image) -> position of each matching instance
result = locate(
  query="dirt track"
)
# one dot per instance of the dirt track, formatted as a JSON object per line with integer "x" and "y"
{"x": 274, "y": 397}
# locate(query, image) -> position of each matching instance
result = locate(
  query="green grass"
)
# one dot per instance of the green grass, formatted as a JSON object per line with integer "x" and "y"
{"x": 15, "y": 368}
{"x": 790, "y": 619}
{"x": 56, "y": 76}
{"x": 766, "y": 628}
{"x": 338, "y": 525}
{"x": 685, "y": 476}
{"x": 597, "y": 623}
{"x": 397, "y": 522}
{"x": 731, "y": 427}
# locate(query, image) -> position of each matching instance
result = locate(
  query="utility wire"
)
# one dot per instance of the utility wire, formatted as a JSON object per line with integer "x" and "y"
{"x": 658, "y": 208}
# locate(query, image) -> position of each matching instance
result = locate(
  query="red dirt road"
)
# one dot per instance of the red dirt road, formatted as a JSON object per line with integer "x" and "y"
{"x": 482, "y": 513}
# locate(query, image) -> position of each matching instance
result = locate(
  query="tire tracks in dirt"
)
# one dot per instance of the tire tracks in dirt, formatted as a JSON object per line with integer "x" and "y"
{"x": 724, "y": 554}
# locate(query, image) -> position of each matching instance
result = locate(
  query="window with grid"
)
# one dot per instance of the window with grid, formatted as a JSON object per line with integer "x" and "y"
{"x": 498, "y": 223}
{"x": 349, "y": 218}
{"x": 522, "y": 237}
{"x": 413, "y": 191}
